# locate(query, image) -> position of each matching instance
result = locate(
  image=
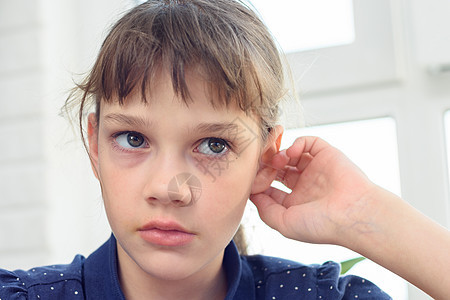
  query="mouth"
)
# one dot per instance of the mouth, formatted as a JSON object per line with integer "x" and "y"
{"x": 166, "y": 233}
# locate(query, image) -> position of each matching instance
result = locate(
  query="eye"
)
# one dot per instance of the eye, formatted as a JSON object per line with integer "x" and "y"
{"x": 130, "y": 139}
{"x": 212, "y": 146}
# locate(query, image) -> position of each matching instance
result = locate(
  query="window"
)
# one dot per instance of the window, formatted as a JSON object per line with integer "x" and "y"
{"x": 369, "y": 59}
{"x": 300, "y": 25}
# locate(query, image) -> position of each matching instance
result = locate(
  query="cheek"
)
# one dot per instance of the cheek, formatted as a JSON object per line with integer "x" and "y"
{"x": 115, "y": 166}
{"x": 120, "y": 198}
{"x": 227, "y": 195}
{"x": 120, "y": 186}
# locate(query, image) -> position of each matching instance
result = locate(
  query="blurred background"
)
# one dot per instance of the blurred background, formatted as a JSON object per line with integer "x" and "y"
{"x": 373, "y": 77}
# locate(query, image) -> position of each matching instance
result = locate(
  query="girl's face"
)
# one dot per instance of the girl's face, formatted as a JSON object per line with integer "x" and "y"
{"x": 175, "y": 178}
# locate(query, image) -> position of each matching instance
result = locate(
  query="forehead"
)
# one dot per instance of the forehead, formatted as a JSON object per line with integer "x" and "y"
{"x": 196, "y": 86}
{"x": 161, "y": 92}
{"x": 196, "y": 78}
{"x": 162, "y": 102}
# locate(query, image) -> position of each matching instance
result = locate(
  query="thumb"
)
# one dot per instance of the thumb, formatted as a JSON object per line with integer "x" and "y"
{"x": 268, "y": 172}
{"x": 263, "y": 179}
{"x": 269, "y": 210}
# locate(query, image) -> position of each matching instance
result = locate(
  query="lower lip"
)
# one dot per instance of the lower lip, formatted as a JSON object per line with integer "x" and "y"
{"x": 172, "y": 238}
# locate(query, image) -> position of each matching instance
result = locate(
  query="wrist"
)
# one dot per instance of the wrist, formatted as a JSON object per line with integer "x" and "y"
{"x": 404, "y": 241}
{"x": 372, "y": 222}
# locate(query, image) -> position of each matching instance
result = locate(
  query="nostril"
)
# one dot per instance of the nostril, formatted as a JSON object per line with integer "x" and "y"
{"x": 184, "y": 189}
{"x": 180, "y": 203}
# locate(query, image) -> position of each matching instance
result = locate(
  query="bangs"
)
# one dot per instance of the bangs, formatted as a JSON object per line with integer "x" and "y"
{"x": 182, "y": 36}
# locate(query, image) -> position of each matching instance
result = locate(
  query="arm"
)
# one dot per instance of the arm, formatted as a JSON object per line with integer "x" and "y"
{"x": 409, "y": 244}
{"x": 332, "y": 201}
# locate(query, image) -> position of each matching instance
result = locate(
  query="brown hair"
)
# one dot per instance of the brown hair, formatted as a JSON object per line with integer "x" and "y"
{"x": 225, "y": 39}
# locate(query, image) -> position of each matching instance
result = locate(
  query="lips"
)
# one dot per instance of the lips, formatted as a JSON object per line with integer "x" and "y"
{"x": 166, "y": 233}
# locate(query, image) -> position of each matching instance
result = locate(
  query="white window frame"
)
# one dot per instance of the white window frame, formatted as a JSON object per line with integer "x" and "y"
{"x": 370, "y": 59}
{"x": 378, "y": 76}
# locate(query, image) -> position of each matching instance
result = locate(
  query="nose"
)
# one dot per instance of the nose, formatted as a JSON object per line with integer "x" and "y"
{"x": 184, "y": 189}
{"x": 167, "y": 185}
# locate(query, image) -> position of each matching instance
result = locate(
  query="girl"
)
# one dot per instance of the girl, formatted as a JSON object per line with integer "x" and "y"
{"x": 183, "y": 132}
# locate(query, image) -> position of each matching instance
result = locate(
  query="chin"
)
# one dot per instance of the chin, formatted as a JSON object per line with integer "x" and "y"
{"x": 170, "y": 269}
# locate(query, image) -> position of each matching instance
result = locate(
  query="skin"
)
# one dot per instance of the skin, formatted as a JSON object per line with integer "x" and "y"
{"x": 333, "y": 202}
{"x": 135, "y": 182}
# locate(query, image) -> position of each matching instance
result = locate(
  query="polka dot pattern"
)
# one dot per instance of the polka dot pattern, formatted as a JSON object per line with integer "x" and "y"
{"x": 51, "y": 282}
{"x": 249, "y": 277}
{"x": 280, "y": 279}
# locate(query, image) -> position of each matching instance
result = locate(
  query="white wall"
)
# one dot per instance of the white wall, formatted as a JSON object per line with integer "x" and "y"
{"x": 21, "y": 126}
{"x": 50, "y": 204}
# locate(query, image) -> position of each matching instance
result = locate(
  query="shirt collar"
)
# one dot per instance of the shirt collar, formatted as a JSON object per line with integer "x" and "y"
{"x": 239, "y": 275}
{"x": 101, "y": 278}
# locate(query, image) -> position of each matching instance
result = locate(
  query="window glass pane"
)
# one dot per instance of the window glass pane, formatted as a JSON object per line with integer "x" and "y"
{"x": 372, "y": 145}
{"x": 303, "y": 24}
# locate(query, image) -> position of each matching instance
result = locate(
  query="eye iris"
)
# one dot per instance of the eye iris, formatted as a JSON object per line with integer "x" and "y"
{"x": 216, "y": 145}
{"x": 135, "y": 140}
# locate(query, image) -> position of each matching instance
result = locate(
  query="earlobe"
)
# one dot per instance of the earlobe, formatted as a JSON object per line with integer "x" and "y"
{"x": 93, "y": 142}
{"x": 266, "y": 172}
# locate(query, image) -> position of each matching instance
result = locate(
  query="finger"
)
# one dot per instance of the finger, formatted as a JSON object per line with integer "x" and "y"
{"x": 268, "y": 172}
{"x": 264, "y": 178}
{"x": 305, "y": 160}
{"x": 297, "y": 196}
{"x": 278, "y": 161}
{"x": 309, "y": 144}
{"x": 269, "y": 210}
{"x": 288, "y": 176}
{"x": 273, "y": 193}
{"x": 277, "y": 195}
{"x": 285, "y": 199}
{"x": 303, "y": 151}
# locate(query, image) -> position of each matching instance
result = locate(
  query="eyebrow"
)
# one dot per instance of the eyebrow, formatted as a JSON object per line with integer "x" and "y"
{"x": 217, "y": 128}
{"x": 129, "y": 120}
{"x": 202, "y": 128}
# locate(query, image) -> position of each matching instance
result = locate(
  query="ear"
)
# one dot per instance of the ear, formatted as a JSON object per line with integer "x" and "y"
{"x": 266, "y": 173}
{"x": 93, "y": 142}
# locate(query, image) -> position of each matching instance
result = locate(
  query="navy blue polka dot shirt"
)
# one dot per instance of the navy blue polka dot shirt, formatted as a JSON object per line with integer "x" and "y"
{"x": 249, "y": 277}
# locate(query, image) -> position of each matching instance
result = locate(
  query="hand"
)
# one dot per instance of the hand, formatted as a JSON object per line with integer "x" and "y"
{"x": 328, "y": 201}
{"x": 333, "y": 202}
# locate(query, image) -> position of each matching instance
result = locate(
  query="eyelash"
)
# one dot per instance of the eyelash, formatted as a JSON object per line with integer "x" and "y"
{"x": 227, "y": 145}
{"x": 226, "y": 149}
{"x": 119, "y": 147}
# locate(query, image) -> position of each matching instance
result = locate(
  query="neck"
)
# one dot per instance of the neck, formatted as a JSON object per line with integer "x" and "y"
{"x": 207, "y": 283}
